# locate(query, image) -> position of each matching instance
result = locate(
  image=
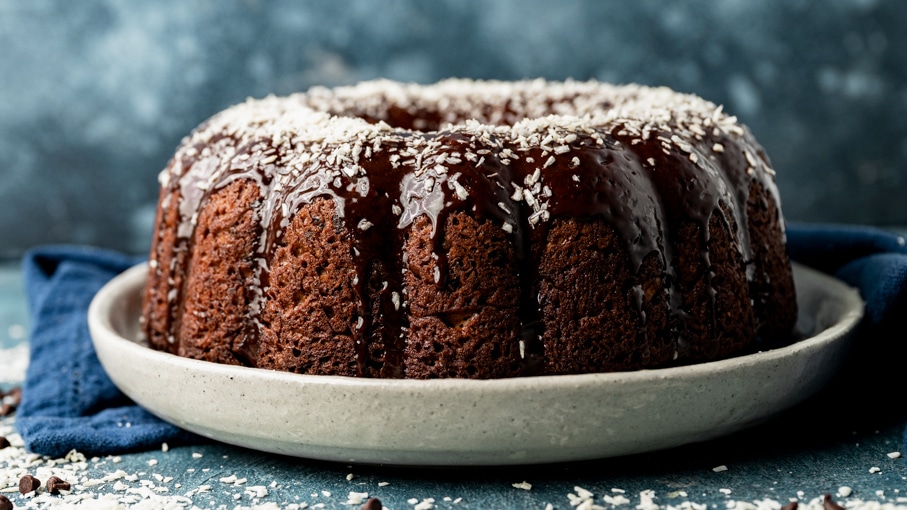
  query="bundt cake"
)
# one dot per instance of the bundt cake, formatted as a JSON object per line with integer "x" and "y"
{"x": 468, "y": 229}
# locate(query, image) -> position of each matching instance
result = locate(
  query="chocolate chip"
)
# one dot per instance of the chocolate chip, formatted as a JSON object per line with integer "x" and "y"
{"x": 10, "y": 401}
{"x": 16, "y": 395}
{"x": 4, "y": 443}
{"x": 28, "y": 483}
{"x": 790, "y": 506}
{"x": 830, "y": 504}
{"x": 5, "y": 503}
{"x": 372, "y": 504}
{"x": 56, "y": 484}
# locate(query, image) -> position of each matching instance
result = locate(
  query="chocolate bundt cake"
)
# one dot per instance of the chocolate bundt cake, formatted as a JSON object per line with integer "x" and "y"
{"x": 468, "y": 229}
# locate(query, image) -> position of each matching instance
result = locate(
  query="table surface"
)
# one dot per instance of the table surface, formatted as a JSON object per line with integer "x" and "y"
{"x": 840, "y": 438}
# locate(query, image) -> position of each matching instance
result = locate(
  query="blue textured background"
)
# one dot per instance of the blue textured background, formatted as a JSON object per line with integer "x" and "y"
{"x": 95, "y": 95}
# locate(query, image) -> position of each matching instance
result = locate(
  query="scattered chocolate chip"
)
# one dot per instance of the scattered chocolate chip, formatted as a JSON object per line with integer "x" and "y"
{"x": 28, "y": 483}
{"x": 372, "y": 504}
{"x": 9, "y": 401}
{"x": 790, "y": 506}
{"x": 4, "y": 443}
{"x": 16, "y": 395}
{"x": 5, "y": 503}
{"x": 830, "y": 504}
{"x": 56, "y": 484}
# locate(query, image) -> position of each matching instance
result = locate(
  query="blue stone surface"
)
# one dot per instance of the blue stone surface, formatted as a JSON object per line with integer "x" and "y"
{"x": 95, "y": 95}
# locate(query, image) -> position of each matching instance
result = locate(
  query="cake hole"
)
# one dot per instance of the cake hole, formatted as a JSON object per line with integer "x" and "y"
{"x": 453, "y": 283}
{"x": 455, "y": 320}
{"x": 498, "y": 259}
{"x": 437, "y": 347}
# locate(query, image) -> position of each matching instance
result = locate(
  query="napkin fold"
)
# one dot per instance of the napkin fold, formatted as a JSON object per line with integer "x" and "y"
{"x": 69, "y": 402}
{"x": 871, "y": 259}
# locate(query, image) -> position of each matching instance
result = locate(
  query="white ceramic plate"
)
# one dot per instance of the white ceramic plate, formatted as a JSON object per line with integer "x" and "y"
{"x": 465, "y": 422}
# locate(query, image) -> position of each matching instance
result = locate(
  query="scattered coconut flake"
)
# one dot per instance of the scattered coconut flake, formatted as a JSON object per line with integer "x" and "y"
{"x": 355, "y": 498}
{"x": 256, "y": 491}
{"x": 425, "y": 504}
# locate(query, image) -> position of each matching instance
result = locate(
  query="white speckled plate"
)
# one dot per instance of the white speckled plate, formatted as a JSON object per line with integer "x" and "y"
{"x": 464, "y": 422}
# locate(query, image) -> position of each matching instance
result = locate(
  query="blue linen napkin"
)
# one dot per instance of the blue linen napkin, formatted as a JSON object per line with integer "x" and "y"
{"x": 875, "y": 262}
{"x": 67, "y": 399}
{"x": 871, "y": 259}
{"x": 69, "y": 402}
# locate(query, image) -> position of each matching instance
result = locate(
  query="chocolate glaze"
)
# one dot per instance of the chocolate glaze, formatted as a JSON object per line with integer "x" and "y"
{"x": 645, "y": 186}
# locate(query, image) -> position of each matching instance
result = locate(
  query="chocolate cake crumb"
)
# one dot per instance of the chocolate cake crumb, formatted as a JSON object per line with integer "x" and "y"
{"x": 4, "y": 442}
{"x": 56, "y": 484}
{"x": 790, "y": 506}
{"x": 28, "y": 483}
{"x": 5, "y": 503}
{"x": 830, "y": 504}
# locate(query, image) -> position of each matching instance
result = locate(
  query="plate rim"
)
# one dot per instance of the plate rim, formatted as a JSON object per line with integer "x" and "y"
{"x": 101, "y": 323}
{"x": 111, "y": 291}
